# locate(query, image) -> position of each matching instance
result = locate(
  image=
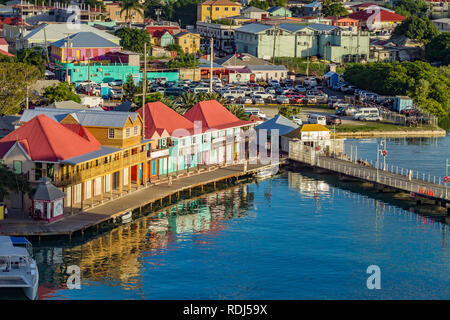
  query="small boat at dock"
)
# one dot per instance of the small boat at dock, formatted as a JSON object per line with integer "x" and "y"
{"x": 266, "y": 173}
{"x": 127, "y": 217}
{"x": 17, "y": 267}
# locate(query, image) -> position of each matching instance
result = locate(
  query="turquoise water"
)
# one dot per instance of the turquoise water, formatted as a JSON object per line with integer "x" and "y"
{"x": 295, "y": 236}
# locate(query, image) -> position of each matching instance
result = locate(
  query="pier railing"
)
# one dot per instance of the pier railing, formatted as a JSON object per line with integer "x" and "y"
{"x": 417, "y": 185}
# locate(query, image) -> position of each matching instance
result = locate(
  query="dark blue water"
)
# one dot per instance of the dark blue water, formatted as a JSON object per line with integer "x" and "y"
{"x": 296, "y": 236}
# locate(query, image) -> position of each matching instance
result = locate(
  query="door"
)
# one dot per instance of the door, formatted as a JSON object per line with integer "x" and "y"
{"x": 16, "y": 200}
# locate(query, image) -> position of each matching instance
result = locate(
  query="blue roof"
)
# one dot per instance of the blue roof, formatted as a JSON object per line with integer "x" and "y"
{"x": 253, "y": 28}
{"x": 314, "y": 4}
{"x": 280, "y": 123}
{"x": 321, "y": 27}
{"x": 85, "y": 40}
{"x": 19, "y": 240}
{"x": 273, "y": 9}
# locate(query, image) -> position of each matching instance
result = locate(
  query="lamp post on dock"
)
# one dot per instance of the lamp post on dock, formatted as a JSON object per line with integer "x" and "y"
{"x": 446, "y": 179}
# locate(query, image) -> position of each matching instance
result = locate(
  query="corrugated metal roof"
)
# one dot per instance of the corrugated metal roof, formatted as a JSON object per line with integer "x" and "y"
{"x": 292, "y": 27}
{"x": 321, "y": 27}
{"x": 103, "y": 151}
{"x": 46, "y": 191}
{"x": 85, "y": 40}
{"x": 279, "y": 122}
{"x": 87, "y": 118}
{"x": 252, "y": 9}
{"x": 57, "y": 31}
{"x": 253, "y": 28}
{"x": 267, "y": 68}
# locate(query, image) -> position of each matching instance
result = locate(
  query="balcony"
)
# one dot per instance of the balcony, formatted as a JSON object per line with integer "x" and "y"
{"x": 100, "y": 170}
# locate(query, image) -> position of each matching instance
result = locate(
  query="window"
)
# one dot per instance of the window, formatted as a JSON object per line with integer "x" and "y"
{"x": 110, "y": 133}
{"x": 17, "y": 166}
{"x": 162, "y": 143}
{"x": 128, "y": 132}
{"x": 37, "y": 171}
{"x": 226, "y": 8}
{"x": 217, "y": 8}
{"x": 233, "y": 9}
{"x": 118, "y": 13}
{"x": 136, "y": 130}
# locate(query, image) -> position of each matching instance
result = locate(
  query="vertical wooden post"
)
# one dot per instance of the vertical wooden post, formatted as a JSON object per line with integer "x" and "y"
{"x": 120, "y": 182}
{"x": 102, "y": 189}
{"x": 129, "y": 179}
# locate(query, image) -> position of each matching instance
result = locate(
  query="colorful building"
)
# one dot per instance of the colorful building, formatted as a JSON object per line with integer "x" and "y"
{"x": 161, "y": 37}
{"x": 217, "y": 9}
{"x": 279, "y": 12}
{"x": 114, "y": 14}
{"x": 82, "y": 46}
{"x": 343, "y": 22}
{"x": 377, "y": 20}
{"x": 89, "y": 155}
{"x": 189, "y": 42}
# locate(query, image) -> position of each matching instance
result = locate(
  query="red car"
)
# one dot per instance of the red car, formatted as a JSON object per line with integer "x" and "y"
{"x": 296, "y": 98}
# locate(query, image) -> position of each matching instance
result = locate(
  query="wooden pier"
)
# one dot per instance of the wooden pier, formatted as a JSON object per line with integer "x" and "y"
{"x": 160, "y": 193}
{"x": 417, "y": 186}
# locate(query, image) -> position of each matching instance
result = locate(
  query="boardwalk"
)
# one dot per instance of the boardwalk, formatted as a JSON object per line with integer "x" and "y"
{"x": 416, "y": 185}
{"x": 117, "y": 207}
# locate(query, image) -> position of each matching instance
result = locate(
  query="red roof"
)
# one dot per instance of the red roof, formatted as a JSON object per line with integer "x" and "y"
{"x": 159, "y": 33}
{"x": 15, "y": 21}
{"x": 158, "y": 117}
{"x": 172, "y": 29}
{"x": 3, "y": 42}
{"x": 213, "y": 115}
{"x": 381, "y": 16}
{"x": 365, "y": 5}
{"x": 5, "y": 53}
{"x": 44, "y": 139}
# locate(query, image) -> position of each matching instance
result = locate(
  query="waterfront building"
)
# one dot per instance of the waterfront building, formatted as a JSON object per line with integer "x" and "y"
{"x": 442, "y": 24}
{"x": 172, "y": 136}
{"x": 300, "y": 41}
{"x": 221, "y": 141}
{"x": 89, "y": 155}
{"x": 279, "y": 125}
{"x": 211, "y": 10}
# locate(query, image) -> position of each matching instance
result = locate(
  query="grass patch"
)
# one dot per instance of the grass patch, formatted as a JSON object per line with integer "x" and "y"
{"x": 379, "y": 126}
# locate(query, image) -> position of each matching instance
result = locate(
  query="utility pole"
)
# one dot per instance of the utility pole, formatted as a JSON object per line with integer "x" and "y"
{"x": 46, "y": 47}
{"x": 211, "y": 43}
{"x": 144, "y": 89}
{"x": 447, "y": 165}
{"x": 307, "y": 56}
{"x": 274, "y": 43}
{"x": 67, "y": 58}
{"x": 89, "y": 72}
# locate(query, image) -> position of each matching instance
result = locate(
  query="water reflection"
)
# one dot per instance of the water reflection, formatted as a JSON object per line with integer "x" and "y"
{"x": 119, "y": 256}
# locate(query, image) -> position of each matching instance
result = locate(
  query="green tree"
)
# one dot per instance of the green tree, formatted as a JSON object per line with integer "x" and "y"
{"x": 238, "y": 111}
{"x": 133, "y": 39}
{"x": 188, "y": 100}
{"x": 212, "y": 96}
{"x": 175, "y": 47}
{"x": 263, "y": 5}
{"x": 61, "y": 92}
{"x": 287, "y": 111}
{"x": 438, "y": 49}
{"x": 333, "y": 8}
{"x": 183, "y": 61}
{"x": 15, "y": 80}
{"x": 408, "y": 8}
{"x": 129, "y": 89}
{"x": 130, "y": 6}
{"x": 12, "y": 182}
{"x": 34, "y": 56}
{"x": 428, "y": 86}
{"x": 420, "y": 29}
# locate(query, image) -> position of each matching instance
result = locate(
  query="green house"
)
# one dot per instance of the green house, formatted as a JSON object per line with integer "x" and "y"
{"x": 279, "y": 12}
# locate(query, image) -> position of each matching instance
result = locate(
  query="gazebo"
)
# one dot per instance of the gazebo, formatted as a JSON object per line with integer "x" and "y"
{"x": 47, "y": 201}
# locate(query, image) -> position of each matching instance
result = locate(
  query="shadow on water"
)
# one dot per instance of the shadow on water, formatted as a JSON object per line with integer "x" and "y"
{"x": 117, "y": 253}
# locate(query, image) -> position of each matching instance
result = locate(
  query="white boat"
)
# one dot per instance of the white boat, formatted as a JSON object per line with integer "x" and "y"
{"x": 127, "y": 217}
{"x": 266, "y": 173}
{"x": 17, "y": 267}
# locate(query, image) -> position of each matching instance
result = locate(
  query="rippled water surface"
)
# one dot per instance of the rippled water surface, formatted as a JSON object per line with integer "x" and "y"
{"x": 296, "y": 236}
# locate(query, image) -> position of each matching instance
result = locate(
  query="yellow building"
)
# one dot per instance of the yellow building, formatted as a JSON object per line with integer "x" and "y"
{"x": 189, "y": 42}
{"x": 113, "y": 12}
{"x": 217, "y": 9}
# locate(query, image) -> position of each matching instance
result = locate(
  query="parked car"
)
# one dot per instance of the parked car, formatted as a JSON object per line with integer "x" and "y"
{"x": 256, "y": 112}
{"x": 370, "y": 117}
{"x": 282, "y": 100}
{"x": 362, "y": 112}
{"x": 317, "y": 119}
{"x": 115, "y": 83}
{"x": 300, "y": 89}
{"x": 257, "y": 99}
{"x": 246, "y": 100}
{"x": 333, "y": 120}
{"x": 116, "y": 94}
{"x": 310, "y": 81}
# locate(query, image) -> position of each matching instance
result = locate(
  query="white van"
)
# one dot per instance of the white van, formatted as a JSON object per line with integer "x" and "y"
{"x": 362, "y": 112}
{"x": 255, "y": 111}
{"x": 317, "y": 119}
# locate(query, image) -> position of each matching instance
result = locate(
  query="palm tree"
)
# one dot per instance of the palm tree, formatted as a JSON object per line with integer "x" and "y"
{"x": 128, "y": 6}
{"x": 238, "y": 111}
{"x": 188, "y": 100}
{"x": 172, "y": 104}
{"x": 213, "y": 96}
